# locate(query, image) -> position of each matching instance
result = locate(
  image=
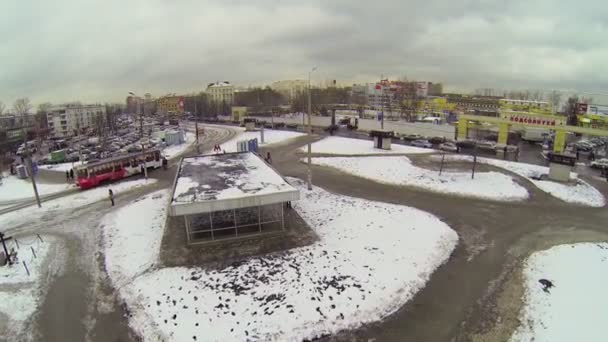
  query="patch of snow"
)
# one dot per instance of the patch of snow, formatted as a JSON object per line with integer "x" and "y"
{"x": 580, "y": 192}
{"x": 63, "y": 167}
{"x": 348, "y": 146}
{"x": 13, "y": 188}
{"x": 76, "y": 200}
{"x": 20, "y": 293}
{"x": 16, "y": 273}
{"x": 400, "y": 171}
{"x": 371, "y": 259}
{"x": 174, "y": 151}
{"x": 576, "y": 307}
{"x": 271, "y": 136}
{"x": 132, "y": 236}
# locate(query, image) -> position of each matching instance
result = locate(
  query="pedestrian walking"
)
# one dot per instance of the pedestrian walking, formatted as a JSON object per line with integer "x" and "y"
{"x": 268, "y": 158}
{"x": 141, "y": 169}
{"x": 111, "y": 194}
{"x": 591, "y": 156}
{"x": 72, "y": 174}
{"x": 165, "y": 163}
{"x": 67, "y": 176}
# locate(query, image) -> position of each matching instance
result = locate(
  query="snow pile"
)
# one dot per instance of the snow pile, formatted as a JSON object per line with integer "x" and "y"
{"x": 579, "y": 193}
{"x": 576, "y": 307}
{"x": 13, "y": 188}
{"x": 20, "y": 293}
{"x": 173, "y": 151}
{"x": 348, "y": 146}
{"x": 371, "y": 259}
{"x": 271, "y": 136}
{"x": 79, "y": 199}
{"x": 400, "y": 171}
{"x": 132, "y": 237}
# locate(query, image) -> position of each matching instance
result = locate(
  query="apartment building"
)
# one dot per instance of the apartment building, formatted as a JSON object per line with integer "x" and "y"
{"x": 71, "y": 119}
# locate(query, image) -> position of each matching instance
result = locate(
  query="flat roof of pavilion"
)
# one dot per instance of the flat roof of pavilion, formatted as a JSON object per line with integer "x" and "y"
{"x": 227, "y": 181}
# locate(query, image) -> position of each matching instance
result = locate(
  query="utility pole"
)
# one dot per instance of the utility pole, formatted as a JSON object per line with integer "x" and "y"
{"x": 141, "y": 132}
{"x": 30, "y": 169}
{"x": 309, "y": 171}
{"x": 198, "y": 150}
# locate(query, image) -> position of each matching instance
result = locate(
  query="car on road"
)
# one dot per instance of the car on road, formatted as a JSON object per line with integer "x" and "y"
{"x": 422, "y": 143}
{"x": 601, "y": 164}
{"x": 449, "y": 147}
{"x": 465, "y": 143}
{"x": 437, "y": 140}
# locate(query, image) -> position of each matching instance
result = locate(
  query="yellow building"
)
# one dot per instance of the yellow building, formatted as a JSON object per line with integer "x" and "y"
{"x": 171, "y": 104}
{"x": 238, "y": 112}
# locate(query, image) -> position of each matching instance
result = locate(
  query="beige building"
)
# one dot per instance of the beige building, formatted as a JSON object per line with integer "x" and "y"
{"x": 289, "y": 88}
{"x": 221, "y": 92}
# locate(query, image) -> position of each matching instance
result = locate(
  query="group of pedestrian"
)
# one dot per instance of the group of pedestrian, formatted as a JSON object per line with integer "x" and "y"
{"x": 69, "y": 175}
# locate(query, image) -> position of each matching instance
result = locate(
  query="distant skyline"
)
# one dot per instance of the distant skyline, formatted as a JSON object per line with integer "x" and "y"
{"x": 98, "y": 51}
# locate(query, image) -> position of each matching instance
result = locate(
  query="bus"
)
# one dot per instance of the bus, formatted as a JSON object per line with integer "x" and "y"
{"x": 93, "y": 174}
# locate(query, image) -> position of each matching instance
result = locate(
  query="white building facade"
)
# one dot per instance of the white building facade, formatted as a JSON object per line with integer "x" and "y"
{"x": 221, "y": 92}
{"x": 70, "y": 119}
{"x": 290, "y": 88}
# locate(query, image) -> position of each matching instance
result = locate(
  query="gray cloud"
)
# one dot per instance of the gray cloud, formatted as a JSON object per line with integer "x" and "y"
{"x": 99, "y": 50}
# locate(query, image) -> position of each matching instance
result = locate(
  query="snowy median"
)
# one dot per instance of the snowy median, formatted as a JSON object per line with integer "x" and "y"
{"x": 271, "y": 136}
{"x": 572, "y": 305}
{"x": 13, "y": 188}
{"x": 348, "y": 146}
{"x": 370, "y": 260}
{"x": 20, "y": 292}
{"x": 33, "y": 213}
{"x": 400, "y": 171}
{"x": 578, "y": 192}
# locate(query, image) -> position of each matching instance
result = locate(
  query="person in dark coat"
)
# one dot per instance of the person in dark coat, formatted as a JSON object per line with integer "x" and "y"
{"x": 72, "y": 174}
{"x": 67, "y": 176}
{"x": 268, "y": 158}
{"x": 111, "y": 195}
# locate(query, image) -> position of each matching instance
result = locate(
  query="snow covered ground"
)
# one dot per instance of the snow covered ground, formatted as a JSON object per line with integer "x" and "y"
{"x": 348, "y": 146}
{"x": 578, "y": 192}
{"x": 130, "y": 252}
{"x": 400, "y": 171}
{"x": 271, "y": 136}
{"x": 576, "y": 308}
{"x": 79, "y": 199}
{"x": 13, "y": 188}
{"x": 173, "y": 151}
{"x": 371, "y": 259}
{"x": 20, "y": 293}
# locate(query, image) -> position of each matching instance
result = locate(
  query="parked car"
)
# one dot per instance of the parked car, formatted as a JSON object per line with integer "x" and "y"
{"x": 412, "y": 137}
{"x": 449, "y": 147}
{"x": 465, "y": 143}
{"x": 486, "y": 145}
{"x": 437, "y": 140}
{"x": 601, "y": 164}
{"x": 421, "y": 143}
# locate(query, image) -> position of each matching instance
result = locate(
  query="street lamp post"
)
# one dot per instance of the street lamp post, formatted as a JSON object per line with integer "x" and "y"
{"x": 141, "y": 134}
{"x": 309, "y": 130}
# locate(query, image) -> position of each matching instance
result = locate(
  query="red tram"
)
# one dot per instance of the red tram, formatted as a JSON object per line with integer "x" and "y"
{"x": 115, "y": 168}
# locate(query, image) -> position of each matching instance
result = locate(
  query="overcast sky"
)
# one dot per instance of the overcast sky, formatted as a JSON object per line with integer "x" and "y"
{"x": 99, "y": 50}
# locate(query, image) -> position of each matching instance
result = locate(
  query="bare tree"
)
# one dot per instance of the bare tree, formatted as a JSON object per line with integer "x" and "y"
{"x": 22, "y": 106}
{"x": 2, "y": 107}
